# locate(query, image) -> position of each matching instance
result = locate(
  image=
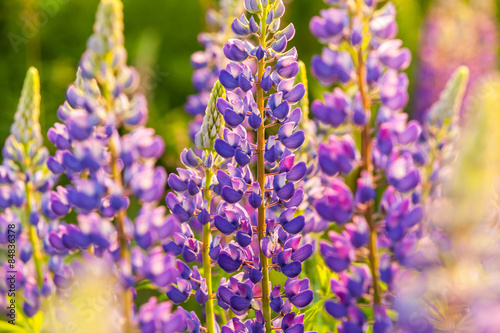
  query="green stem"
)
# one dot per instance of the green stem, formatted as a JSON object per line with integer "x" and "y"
{"x": 427, "y": 184}
{"x": 33, "y": 236}
{"x": 127, "y": 297}
{"x": 207, "y": 267}
{"x": 368, "y": 167}
{"x": 261, "y": 178}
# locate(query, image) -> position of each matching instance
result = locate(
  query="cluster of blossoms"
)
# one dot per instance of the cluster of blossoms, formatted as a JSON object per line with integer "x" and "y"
{"x": 455, "y": 33}
{"x": 264, "y": 188}
{"x": 219, "y": 190}
{"x": 109, "y": 158}
{"x": 365, "y": 60}
{"x": 24, "y": 178}
{"x": 208, "y": 62}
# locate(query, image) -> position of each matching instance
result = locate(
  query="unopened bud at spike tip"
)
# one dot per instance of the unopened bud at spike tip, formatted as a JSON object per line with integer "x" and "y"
{"x": 213, "y": 124}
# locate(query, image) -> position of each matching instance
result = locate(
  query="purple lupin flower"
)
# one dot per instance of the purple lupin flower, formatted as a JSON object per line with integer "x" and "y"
{"x": 370, "y": 64}
{"x": 109, "y": 157}
{"x": 157, "y": 316}
{"x": 252, "y": 235}
{"x": 278, "y": 241}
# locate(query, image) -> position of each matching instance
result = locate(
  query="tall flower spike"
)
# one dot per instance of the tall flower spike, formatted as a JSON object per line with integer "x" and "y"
{"x": 24, "y": 179}
{"x": 26, "y": 126}
{"x": 364, "y": 60}
{"x": 216, "y": 187}
{"x": 446, "y": 111}
{"x": 273, "y": 196}
{"x": 442, "y": 127}
{"x": 109, "y": 158}
{"x": 193, "y": 204}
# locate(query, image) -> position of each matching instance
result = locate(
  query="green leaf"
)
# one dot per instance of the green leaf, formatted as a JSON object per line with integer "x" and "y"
{"x": 22, "y": 321}
{"x": 27, "y": 324}
{"x": 37, "y": 321}
{"x": 316, "y": 267}
{"x": 277, "y": 278}
{"x": 5, "y": 327}
{"x": 368, "y": 311}
{"x": 145, "y": 284}
{"x": 163, "y": 297}
{"x": 393, "y": 314}
{"x": 311, "y": 314}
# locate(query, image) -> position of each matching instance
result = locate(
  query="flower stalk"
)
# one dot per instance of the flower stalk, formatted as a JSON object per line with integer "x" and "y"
{"x": 207, "y": 266}
{"x": 368, "y": 167}
{"x": 261, "y": 178}
{"x": 123, "y": 241}
{"x": 37, "y": 255}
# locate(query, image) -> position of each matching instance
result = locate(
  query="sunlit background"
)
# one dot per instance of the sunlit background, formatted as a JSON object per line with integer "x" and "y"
{"x": 161, "y": 35}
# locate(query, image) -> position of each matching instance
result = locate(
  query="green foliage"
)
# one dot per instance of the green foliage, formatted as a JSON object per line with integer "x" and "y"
{"x": 9, "y": 328}
{"x": 319, "y": 275}
{"x": 410, "y": 15}
{"x": 313, "y": 318}
{"x": 23, "y": 324}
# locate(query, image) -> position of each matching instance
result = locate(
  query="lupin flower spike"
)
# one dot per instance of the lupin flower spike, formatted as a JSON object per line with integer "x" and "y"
{"x": 247, "y": 205}
{"x": 442, "y": 127}
{"x": 445, "y": 113}
{"x": 109, "y": 158}
{"x": 24, "y": 178}
{"x": 276, "y": 153}
{"x": 361, "y": 52}
{"x": 193, "y": 203}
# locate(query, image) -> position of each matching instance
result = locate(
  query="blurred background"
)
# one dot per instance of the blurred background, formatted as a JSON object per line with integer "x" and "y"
{"x": 161, "y": 35}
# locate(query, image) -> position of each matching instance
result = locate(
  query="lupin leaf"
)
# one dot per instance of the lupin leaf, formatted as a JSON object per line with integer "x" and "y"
{"x": 9, "y": 328}
{"x": 311, "y": 315}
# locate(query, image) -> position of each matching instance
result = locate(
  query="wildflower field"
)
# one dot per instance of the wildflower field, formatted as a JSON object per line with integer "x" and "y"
{"x": 249, "y": 166}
